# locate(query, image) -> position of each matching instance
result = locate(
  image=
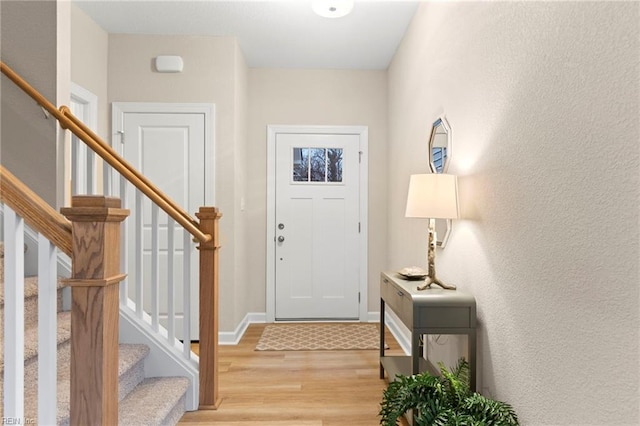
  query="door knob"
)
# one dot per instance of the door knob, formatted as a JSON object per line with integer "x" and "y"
{"x": 280, "y": 239}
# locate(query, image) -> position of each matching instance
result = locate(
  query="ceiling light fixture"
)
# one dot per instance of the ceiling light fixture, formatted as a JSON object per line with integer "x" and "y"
{"x": 333, "y": 8}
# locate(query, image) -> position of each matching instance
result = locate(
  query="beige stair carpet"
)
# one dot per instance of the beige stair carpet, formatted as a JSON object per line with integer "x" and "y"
{"x": 319, "y": 336}
{"x": 143, "y": 401}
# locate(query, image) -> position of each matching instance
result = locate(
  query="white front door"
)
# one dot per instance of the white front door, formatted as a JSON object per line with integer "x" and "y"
{"x": 169, "y": 149}
{"x": 317, "y": 270}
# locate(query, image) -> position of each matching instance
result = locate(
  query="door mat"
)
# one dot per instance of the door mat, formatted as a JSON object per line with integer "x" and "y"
{"x": 319, "y": 337}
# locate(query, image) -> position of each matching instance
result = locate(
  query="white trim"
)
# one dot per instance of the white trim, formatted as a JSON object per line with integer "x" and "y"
{"x": 87, "y": 98}
{"x": 399, "y": 331}
{"x": 89, "y": 104}
{"x": 373, "y": 317}
{"x": 233, "y": 337}
{"x": 163, "y": 360}
{"x": 363, "y": 133}
{"x": 118, "y": 109}
{"x": 47, "y": 326}
{"x": 13, "y": 315}
{"x": 364, "y": 221}
{"x": 396, "y": 327}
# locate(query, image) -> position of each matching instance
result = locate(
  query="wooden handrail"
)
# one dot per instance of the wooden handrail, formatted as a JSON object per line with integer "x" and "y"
{"x": 107, "y": 153}
{"x": 36, "y": 212}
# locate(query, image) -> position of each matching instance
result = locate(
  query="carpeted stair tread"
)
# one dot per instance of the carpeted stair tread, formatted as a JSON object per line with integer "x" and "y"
{"x": 155, "y": 401}
{"x": 130, "y": 354}
{"x": 30, "y": 288}
{"x": 31, "y": 338}
{"x": 130, "y": 374}
{"x": 130, "y": 367}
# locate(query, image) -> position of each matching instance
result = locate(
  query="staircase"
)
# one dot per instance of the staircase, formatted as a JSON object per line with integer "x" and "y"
{"x": 143, "y": 401}
{"x": 89, "y": 232}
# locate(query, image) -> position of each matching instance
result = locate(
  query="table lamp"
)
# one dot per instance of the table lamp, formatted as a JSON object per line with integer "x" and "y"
{"x": 433, "y": 196}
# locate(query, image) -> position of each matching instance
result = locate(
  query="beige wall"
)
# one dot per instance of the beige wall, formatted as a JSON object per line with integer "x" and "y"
{"x": 89, "y": 62}
{"x": 242, "y": 240}
{"x": 246, "y": 102}
{"x": 29, "y": 45}
{"x": 543, "y": 101}
{"x": 315, "y": 97}
{"x": 211, "y": 74}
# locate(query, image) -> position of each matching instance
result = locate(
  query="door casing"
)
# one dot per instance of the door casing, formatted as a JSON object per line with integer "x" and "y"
{"x": 88, "y": 102}
{"x": 272, "y": 131}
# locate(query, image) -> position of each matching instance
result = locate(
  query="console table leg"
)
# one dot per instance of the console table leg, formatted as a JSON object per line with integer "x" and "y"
{"x": 415, "y": 352}
{"x": 381, "y": 337}
{"x": 472, "y": 361}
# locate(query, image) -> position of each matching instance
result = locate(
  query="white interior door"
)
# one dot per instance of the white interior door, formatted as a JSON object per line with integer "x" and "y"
{"x": 317, "y": 226}
{"x": 169, "y": 149}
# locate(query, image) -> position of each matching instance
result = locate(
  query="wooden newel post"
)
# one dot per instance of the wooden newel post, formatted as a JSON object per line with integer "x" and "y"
{"x": 95, "y": 308}
{"x": 209, "y": 398}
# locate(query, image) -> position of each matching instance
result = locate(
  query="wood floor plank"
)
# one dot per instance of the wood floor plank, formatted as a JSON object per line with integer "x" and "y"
{"x": 301, "y": 388}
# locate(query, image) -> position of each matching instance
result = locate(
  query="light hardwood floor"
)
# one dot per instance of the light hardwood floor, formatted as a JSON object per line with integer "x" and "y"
{"x": 302, "y": 388}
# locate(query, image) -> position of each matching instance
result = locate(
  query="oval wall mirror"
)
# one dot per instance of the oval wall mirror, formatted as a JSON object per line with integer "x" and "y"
{"x": 439, "y": 156}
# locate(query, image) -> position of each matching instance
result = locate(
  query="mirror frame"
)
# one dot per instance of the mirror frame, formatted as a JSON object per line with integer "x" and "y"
{"x": 443, "y": 226}
{"x": 441, "y": 121}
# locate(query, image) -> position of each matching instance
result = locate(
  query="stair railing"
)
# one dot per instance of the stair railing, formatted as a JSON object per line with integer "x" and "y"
{"x": 205, "y": 231}
{"x": 21, "y": 205}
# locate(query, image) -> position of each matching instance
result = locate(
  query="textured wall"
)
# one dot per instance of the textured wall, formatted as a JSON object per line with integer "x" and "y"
{"x": 543, "y": 99}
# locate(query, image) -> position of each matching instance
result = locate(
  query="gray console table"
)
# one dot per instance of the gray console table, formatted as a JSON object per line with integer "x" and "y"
{"x": 430, "y": 311}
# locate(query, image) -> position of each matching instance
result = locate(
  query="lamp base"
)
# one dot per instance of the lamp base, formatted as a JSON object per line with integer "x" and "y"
{"x": 431, "y": 262}
{"x": 434, "y": 280}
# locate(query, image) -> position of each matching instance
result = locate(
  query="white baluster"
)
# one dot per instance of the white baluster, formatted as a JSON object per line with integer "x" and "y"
{"x": 13, "y": 315}
{"x": 107, "y": 173}
{"x": 155, "y": 267}
{"x": 171, "y": 251}
{"x": 139, "y": 254}
{"x": 47, "y": 330}
{"x": 91, "y": 172}
{"x": 75, "y": 165}
{"x": 124, "y": 246}
{"x": 186, "y": 298}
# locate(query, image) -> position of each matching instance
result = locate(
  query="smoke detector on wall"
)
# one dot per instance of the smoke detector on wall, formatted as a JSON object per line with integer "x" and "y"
{"x": 169, "y": 63}
{"x": 332, "y": 8}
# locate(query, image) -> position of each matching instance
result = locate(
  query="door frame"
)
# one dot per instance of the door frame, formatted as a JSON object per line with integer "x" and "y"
{"x": 89, "y": 102}
{"x": 118, "y": 109}
{"x": 363, "y": 133}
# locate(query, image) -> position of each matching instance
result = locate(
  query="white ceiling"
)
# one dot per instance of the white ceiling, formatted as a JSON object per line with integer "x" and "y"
{"x": 271, "y": 33}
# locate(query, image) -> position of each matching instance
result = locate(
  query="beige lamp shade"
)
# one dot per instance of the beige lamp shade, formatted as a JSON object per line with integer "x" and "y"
{"x": 433, "y": 195}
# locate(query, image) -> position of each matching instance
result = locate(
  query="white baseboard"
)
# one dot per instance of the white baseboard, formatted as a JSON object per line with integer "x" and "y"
{"x": 399, "y": 331}
{"x": 373, "y": 316}
{"x": 233, "y": 337}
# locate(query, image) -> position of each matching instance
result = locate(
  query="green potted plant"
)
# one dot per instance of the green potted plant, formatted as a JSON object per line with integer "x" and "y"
{"x": 442, "y": 400}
